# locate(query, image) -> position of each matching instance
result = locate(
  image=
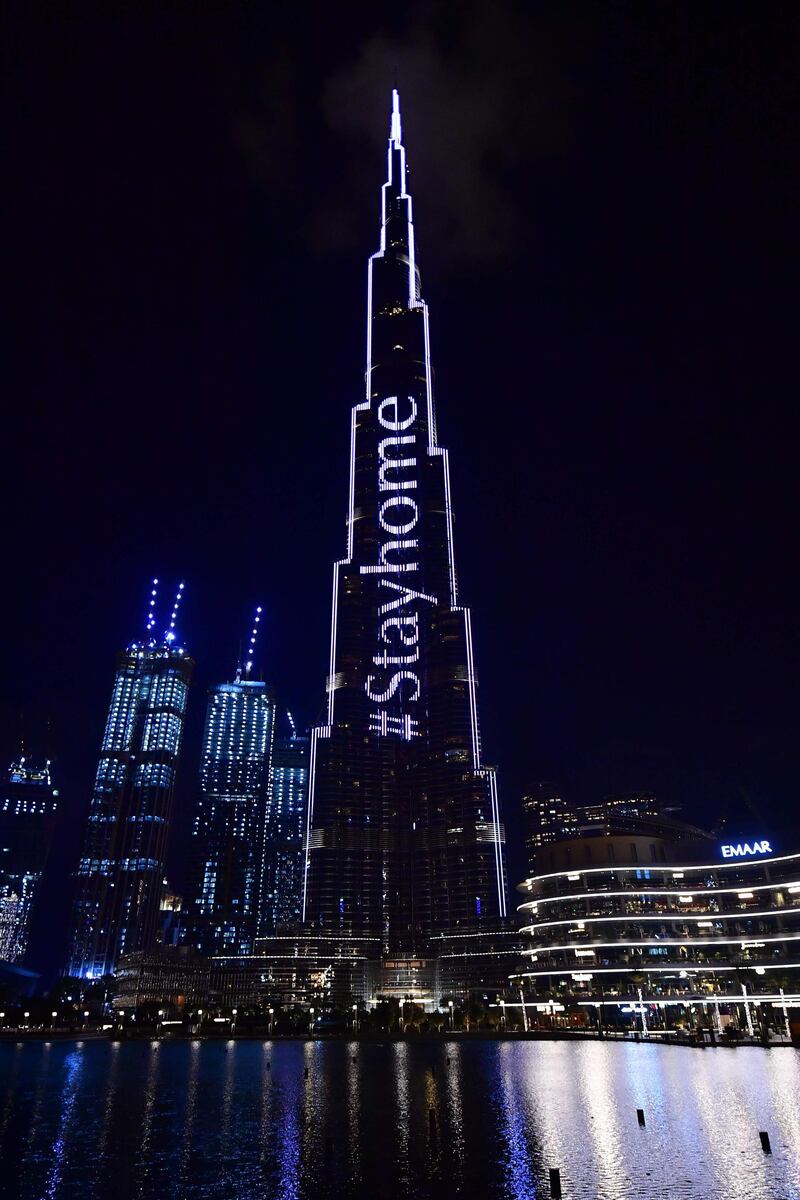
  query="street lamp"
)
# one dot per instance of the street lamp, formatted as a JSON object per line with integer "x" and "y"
{"x": 311, "y": 1024}
{"x": 53, "y": 1016}
{"x": 503, "y": 1014}
{"x": 355, "y": 1018}
{"x": 85, "y": 1017}
{"x": 271, "y": 1021}
{"x": 2, "y": 1018}
{"x": 234, "y": 1011}
{"x": 452, "y": 1019}
{"x": 26, "y": 1015}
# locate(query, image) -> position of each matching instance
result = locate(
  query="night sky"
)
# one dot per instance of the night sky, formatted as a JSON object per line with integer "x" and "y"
{"x": 605, "y": 200}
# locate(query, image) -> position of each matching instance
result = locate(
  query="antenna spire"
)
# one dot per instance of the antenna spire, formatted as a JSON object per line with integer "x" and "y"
{"x": 252, "y": 643}
{"x": 169, "y": 635}
{"x": 151, "y": 608}
{"x": 396, "y": 129}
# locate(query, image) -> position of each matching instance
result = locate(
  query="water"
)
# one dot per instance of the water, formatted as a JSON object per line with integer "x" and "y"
{"x": 184, "y": 1120}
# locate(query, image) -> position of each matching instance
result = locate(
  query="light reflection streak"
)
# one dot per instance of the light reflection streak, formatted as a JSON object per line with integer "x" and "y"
{"x": 227, "y": 1097}
{"x": 403, "y": 1114}
{"x": 189, "y": 1113}
{"x": 74, "y": 1069}
{"x": 519, "y": 1180}
{"x": 266, "y": 1099}
{"x": 37, "y": 1103}
{"x": 288, "y": 1158}
{"x": 144, "y": 1157}
{"x": 354, "y": 1117}
{"x": 455, "y": 1114}
{"x": 108, "y": 1105}
{"x": 783, "y": 1076}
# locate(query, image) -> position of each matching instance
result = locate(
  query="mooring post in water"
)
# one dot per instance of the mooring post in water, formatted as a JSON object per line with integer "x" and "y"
{"x": 640, "y": 1116}
{"x": 765, "y": 1146}
{"x": 555, "y": 1183}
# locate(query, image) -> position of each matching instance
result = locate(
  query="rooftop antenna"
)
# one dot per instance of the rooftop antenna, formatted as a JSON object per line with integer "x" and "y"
{"x": 169, "y": 636}
{"x": 251, "y": 646}
{"x": 396, "y": 133}
{"x": 151, "y": 608}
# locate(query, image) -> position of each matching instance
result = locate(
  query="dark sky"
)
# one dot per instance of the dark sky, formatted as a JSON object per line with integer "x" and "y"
{"x": 606, "y": 207}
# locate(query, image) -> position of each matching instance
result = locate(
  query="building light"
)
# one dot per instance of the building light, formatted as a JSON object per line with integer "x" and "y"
{"x": 573, "y": 878}
{"x": 794, "y": 889}
{"x": 685, "y": 899}
{"x": 745, "y": 895}
{"x": 704, "y": 924}
{"x": 584, "y": 953}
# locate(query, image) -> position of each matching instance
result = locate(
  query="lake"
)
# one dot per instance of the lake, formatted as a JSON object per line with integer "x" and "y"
{"x": 242, "y": 1119}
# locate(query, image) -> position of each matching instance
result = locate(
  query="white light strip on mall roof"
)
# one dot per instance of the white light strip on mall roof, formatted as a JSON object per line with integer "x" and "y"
{"x": 647, "y": 891}
{"x": 673, "y": 914}
{"x": 616, "y": 869}
{"x": 778, "y": 1001}
{"x": 631, "y": 942}
{"x": 673, "y": 969}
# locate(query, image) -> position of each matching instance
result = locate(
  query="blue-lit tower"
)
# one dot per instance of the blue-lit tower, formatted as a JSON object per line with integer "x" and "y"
{"x": 120, "y": 874}
{"x": 281, "y": 900}
{"x": 28, "y": 803}
{"x": 228, "y": 829}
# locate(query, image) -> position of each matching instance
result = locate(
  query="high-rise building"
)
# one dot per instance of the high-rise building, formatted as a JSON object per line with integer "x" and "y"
{"x": 229, "y": 823}
{"x": 548, "y": 818}
{"x": 404, "y": 839}
{"x": 281, "y": 900}
{"x": 28, "y": 803}
{"x": 120, "y": 874}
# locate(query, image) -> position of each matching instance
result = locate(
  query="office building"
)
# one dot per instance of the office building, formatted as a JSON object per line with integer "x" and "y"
{"x": 28, "y": 803}
{"x": 228, "y": 831}
{"x": 281, "y": 900}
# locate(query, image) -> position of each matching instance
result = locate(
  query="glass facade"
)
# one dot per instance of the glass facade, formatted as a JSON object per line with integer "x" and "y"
{"x": 229, "y": 824}
{"x": 120, "y": 874}
{"x": 283, "y": 836}
{"x": 28, "y": 803}
{"x": 404, "y": 838}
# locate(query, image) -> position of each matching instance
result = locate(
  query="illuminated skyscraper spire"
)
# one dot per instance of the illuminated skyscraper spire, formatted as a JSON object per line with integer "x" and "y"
{"x": 169, "y": 633}
{"x": 404, "y": 841}
{"x": 251, "y": 647}
{"x": 151, "y": 610}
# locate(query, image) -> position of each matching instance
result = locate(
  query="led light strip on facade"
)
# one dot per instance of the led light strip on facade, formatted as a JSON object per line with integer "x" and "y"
{"x": 661, "y": 869}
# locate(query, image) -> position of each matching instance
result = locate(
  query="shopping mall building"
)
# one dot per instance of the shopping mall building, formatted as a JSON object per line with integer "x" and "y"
{"x": 629, "y": 920}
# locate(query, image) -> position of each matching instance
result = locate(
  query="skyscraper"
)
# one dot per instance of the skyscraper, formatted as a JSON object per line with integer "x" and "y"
{"x": 120, "y": 874}
{"x": 281, "y": 900}
{"x": 404, "y": 839}
{"x": 28, "y": 803}
{"x": 229, "y": 822}
{"x": 548, "y": 818}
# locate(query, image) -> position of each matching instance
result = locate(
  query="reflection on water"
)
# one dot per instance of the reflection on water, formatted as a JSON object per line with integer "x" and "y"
{"x": 323, "y": 1120}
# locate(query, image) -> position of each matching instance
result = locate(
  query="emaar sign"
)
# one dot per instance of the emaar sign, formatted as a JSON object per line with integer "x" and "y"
{"x": 745, "y": 849}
